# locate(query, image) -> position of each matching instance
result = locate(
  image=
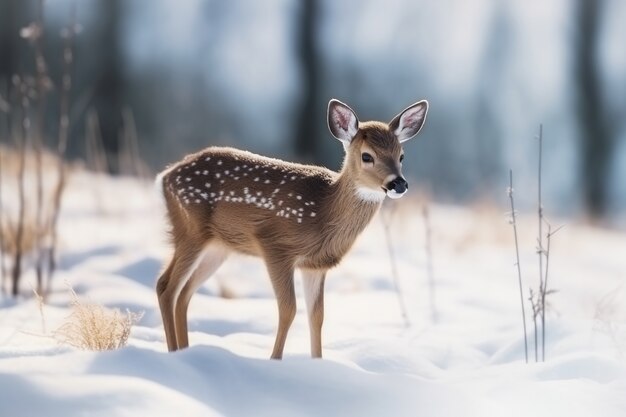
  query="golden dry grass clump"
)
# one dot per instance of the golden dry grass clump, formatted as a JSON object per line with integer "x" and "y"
{"x": 94, "y": 327}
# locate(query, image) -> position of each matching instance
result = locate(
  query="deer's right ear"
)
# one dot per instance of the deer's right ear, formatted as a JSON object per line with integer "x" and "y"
{"x": 342, "y": 121}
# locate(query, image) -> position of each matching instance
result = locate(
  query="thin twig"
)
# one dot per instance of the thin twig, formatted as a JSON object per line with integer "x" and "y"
{"x": 519, "y": 268}
{"x": 64, "y": 128}
{"x": 544, "y": 290}
{"x": 386, "y": 221}
{"x": 535, "y": 306}
{"x": 4, "y": 108}
{"x": 540, "y": 250}
{"x": 22, "y": 97}
{"x": 429, "y": 263}
{"x": 2, "y": 251}
{"x": 34, "y": 33}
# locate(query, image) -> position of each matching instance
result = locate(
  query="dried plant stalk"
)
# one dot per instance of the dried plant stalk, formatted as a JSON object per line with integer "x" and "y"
{"x": 429, "y": 264}
{"x": 94, "y": 327}
{"x": 20, "y": 87}
{"x": 386, "y": 221}
{"x": 519, "y": 268}
{"x": 64, "y": 128}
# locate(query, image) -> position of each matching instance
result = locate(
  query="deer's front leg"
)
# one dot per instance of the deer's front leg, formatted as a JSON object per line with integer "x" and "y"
{"x": 313, "y": 283}
{"x": 281, "y": 274}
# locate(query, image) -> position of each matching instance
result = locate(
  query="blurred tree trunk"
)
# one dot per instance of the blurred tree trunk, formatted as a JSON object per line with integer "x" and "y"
{"x": 10, "y": 18}
{"x": 490, "y": 90}
{"x": 109, "y": 85}
{"x": 307, "y": 143}
{"x": 597, "y": 141}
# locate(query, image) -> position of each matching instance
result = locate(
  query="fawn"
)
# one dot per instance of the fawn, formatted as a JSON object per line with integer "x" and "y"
{"x": 224, "y": 200}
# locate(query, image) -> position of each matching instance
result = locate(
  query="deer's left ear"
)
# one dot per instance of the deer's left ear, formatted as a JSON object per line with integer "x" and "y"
{"x": 410, "y": 120}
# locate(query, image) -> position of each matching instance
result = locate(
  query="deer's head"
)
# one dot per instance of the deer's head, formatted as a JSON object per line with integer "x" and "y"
{"x": 374, "y": 151}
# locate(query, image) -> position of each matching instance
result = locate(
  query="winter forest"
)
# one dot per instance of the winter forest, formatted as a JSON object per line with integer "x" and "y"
{"x": 496, "y": 286}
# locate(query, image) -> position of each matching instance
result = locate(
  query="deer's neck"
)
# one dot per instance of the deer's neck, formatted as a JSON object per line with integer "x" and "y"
{"x": 348, "y": 214}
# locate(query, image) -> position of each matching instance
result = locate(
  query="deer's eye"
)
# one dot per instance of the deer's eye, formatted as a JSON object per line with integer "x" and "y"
{"x": 401, "y": 157}
{"x": 367, "y": 158}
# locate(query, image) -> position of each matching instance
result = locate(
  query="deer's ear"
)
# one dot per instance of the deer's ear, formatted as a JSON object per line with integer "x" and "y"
{"x": 410, "y": 120}
{"x": 342, "y": 121}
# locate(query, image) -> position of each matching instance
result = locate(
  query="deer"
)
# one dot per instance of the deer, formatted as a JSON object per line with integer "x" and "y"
{"x": 222, "y": 200}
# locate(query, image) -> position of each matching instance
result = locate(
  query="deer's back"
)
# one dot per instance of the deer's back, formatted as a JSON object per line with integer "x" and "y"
{"x": 251, "y": 203}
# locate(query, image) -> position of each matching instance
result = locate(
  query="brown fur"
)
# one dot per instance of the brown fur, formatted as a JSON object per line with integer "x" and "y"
{"x": 223, "y": 200}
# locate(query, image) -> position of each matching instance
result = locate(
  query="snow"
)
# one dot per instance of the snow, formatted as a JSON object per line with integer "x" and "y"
{"x": 466, "y": 359}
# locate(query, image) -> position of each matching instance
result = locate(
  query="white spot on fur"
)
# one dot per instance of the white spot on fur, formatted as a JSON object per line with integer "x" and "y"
{"x": 207, "y": 185}
{"x": 256, "y": 179}
{"x": 313, "y": 214}
{"x": 217, "y": 175}
{"x": 299, "y": 197}
{"x": 187, "y": 179}
{"x": 205, "y": 172}
{"x": 266, "y": 181}
{"x": 219, "y": 162}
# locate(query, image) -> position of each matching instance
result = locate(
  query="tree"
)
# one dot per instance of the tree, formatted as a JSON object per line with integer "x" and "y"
{"x": 306, "y": 141}
{"x": 597, "y": 140}
{"x": 108, "y": 90}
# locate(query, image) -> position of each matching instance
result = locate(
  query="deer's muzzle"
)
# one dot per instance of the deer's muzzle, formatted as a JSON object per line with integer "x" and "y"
{"x": 397, "y": 187}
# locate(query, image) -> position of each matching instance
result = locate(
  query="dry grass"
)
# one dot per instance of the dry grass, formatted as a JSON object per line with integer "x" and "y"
{"x": 30, "y": 236}
{"x": 94, "y": 327}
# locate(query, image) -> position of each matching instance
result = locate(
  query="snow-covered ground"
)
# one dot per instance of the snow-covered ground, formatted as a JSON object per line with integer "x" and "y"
{"x": 466, "y": 359}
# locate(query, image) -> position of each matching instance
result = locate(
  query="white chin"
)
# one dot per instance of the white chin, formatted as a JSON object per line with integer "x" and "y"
{"x": 393, "y": 194}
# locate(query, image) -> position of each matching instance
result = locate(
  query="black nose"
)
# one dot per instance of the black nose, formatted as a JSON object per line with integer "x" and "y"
{"x": 399, "y": 185}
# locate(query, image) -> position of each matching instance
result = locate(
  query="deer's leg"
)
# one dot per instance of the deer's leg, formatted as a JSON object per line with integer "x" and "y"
{"x": 281, "y": 274}
{"x": 313, "y": 283}
{"x": 211, "y": 259}
{"x": 166, "y": 305}
{"x": 169, "y": 286}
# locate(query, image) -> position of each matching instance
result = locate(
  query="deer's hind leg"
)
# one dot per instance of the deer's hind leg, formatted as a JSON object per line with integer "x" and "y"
{"x": 170, "y": 284}
{"x": 211, "y": 258}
